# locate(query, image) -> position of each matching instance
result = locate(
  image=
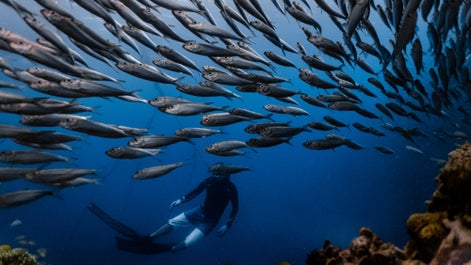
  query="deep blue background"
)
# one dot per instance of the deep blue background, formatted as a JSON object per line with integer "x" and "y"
{"x": 290, "y": 202}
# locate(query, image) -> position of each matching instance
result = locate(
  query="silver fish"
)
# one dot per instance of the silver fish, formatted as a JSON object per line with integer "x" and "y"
{"x": 153, "y": 141}
{"x": 140, "y": 36}
{"x": 47, "y": 74}
{"x": 175, "y": 5}
{"x": 257, "y": 127}
{"x": 196, "y": 132}
{"x": 188, "y": 109}
{"x": 220, "y": 119}
{"x": 11, "y": 173}
{"x": 30, "y": 157}
{"x": 355, "y": 16}
{"x": 282, "y": 131}
{"x": 55, "y": 89}
{"x": 201, "y": 91}
{"x": 148, "y": 16}
{"x": 261, "y": 142}
{"x": 92, "y": 127}
{"x": 276, "y": 91}
{"x": 250, "y": 114}
{"x": 16, "y": 198}
{"x": 209, "y": 49}
{"x": 384, "y": 149}
{"x": 226, "y": 169}
{"x": 224, "y": 146}
{"x": 132, "y": 18}
{"x": 92, "y": 88}
{"x": 224, "y": 78}
{"x": 172, "y": 66}
{"x": 165, "y": 101}
{"x": 127, "y": 152}
{"x": 8, "y": 131}
{"x": 156, "y": 171}
{"x": 302, "y": 16}
{"x": 47, "y": 33}
{"x": 57, "y": 175}
{"x": 295, "y": 111}
{"x": 175, "y": 56}
{"x": 147, "y": 72}
{"x": 279, "y": 59}
{"x": 213, "y": 31}
{"x": 316, "y": 125}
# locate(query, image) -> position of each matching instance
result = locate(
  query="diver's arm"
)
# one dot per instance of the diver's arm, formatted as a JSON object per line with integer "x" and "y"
{"x": 192, "y": 194}
{"x": 235, "y": 205}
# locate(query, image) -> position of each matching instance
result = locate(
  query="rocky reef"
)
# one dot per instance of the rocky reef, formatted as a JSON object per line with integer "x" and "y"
{"x": 440, "y": 236}
{"x": 16, "y": 256}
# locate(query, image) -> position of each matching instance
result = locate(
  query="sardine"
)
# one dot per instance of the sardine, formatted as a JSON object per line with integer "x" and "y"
{"x": 156, "y": 171}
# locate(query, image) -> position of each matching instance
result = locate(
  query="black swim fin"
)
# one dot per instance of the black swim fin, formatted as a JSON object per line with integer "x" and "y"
{"x": 113, "y": 223}
{"x": 142, "y": 246}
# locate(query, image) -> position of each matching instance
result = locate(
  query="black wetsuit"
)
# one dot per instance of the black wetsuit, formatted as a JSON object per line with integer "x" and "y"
{"x": 218, "y": 194}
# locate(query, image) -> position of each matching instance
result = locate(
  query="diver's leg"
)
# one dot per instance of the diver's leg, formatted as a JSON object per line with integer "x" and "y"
{"x": 192, "y": 238}
{"x": 162, "y": 231}
{"x": 174, "y": 223}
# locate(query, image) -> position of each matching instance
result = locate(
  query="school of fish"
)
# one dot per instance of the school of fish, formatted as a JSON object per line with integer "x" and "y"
{"x": 404, "y": 88}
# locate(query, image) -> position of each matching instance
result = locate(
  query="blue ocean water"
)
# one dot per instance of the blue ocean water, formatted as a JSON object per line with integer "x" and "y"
{"x": 291, "y": 200}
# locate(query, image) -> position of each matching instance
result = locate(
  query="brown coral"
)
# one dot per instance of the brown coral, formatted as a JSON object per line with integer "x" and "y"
{"x": 426, "y": 231}
{"x": 454, "y": 184}
{"x": 366, "y": 249}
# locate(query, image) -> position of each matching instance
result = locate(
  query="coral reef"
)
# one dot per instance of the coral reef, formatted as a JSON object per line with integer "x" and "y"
{"x": 16, "y": 256}
{"x": 426, "y": 231}
{"x": 441, "y": 236}
{"x": 454, "y": 184}
{"x": 366, "y": 249}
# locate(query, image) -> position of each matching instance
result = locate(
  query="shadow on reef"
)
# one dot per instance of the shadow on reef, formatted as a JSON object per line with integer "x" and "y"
{"x": 440, "y": 236}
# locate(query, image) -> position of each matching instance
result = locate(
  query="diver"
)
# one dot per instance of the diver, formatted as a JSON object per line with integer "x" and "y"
{"x": 220, "y": 190}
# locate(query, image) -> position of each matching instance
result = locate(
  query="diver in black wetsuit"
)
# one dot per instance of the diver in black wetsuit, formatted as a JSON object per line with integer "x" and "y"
{"x": 204, "y": 218}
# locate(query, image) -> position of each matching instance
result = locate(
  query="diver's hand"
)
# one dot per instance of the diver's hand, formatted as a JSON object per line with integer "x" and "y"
{"x": 175, "y": 203}
{"x": 222, "y": 230}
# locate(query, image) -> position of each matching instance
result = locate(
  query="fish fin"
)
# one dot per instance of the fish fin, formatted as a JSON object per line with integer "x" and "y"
{"x": 269, "y": 117}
